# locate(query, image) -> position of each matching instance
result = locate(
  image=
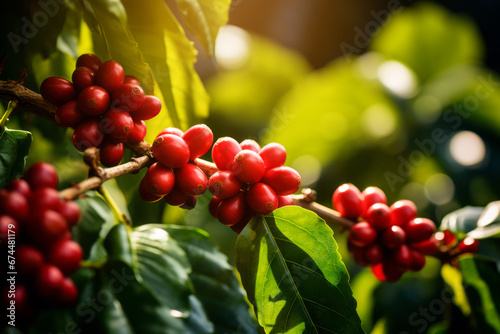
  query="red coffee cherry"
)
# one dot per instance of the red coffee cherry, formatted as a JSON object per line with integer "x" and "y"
{"x": 261, "y": 198}
{"x": 362, "y": 234}
{"x": 150, "y": 107}
{"x": 417, "y": 261}
{"x": 224, "y": 184}
{"x": 419, "y": 229}
{"x": 213, "y": 206}
{"x": 402, "y": 256}
{"x": 90, "y": 61}
{"x": 20, "y": 186}
{"x": 284, "y": 180}
{"x": 347, "y": 201}
{"x": 468, "y": 245}
{"x": 69, "y": 115}
{"x": 147, "y": 195}
{"x": 87, "y": 134}
{"x": 29, "y": 260}
{"x": 393, "y": 237}
{"x": 446, "y": 237}
{"x": 128, "y": 97}
{"x": 199, "y": 139}
{"x": 426, "y": 247}
{"x": 373, "y": 254}
{"x": 248, "y": 166}
{"x": 21, "y": 298}
{"x": 159, "y": 179}
{"x": 49, "y": 281}
{"x": 379, "y": 215}
{"x": 68, "y": 294}
{"x": 111, "y": 152}
{"x": 402, "y": 211}
{"x": 93, "y": 101}
{"x": 129, "y": 79}
{"x": 7, "y": 223}
{"x": 66, "y": 255}
{"x": 285, "y": 201}
{"x": 250, "y": 144}
{"x": 371, "y": 195}
{"x": 57, "y": 90}
{"x": 189, "y": 204}
{"x": 274, "y": 155}
{"x": 14, "y": 205}
{"x": 110, "y": 75}
{"x": 116, "y": 123}
{"x": 224, "y": 151}
{"x": 191, "y": 180}
{"x": 138, "y": 132}
{"x": 170, "y": 131}
{"x": 176, "y": 197}
{"x": 44, "y": 199}
{"x": 41, "y": 175}
{"x": 392, "y": 271}
{"x": 171, "y": 150}
{"x": 47, "y": 226}
{"x": 232, "y": 210}
{"x": 82, "y": 78}
{"x": 70, "y": 211}
{"x": 239, "y": 226}
{"x": 378, "y": 272}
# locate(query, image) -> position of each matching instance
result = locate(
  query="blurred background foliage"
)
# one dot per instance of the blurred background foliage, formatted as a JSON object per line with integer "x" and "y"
{"x": 416, "y": 114}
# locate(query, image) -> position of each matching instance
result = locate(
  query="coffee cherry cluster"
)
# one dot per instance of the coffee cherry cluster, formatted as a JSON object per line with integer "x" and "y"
{"x": 35, "y": 232}
{"x": 175, "y": 176}
{"x": 448, "y": 244}
{"x": 392, "y": 240}
{"x": 250, "y": 181}
{"x": 105, "y": 107}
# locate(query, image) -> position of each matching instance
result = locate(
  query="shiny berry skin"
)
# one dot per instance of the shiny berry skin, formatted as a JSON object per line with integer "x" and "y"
{"x": 70, "y": 211}
{"x": 419, "y": 229}
{"x": 147, "y": 195}
{"x": 468, "y": 245}
{"x": 261, "y": 198}
{"x": 111, "y": 152}
{"x": 150, "y": 107}
{"x": 128, "y": 97}
{"x": 426, "y": 247}
{"x": 44, "y": 199}
{"x": 116, "y": 123}
{"x": 232, "y": 210}
{"x": 372, "y": 195}
{"x": 285, "y": 201}
{"x": 402, "y": 211}
{"x": 176, "y": 197}
{"x": 224, "y": 184}
{"x": 69, "y": 115}
{"x": 199, "y": 139}
{"x": 347, "y": 200}
{"x": 191, "y": 180}
{"x": 393, "y": 237}
{"x": 57, "y": 90}
{"x": 171, "y": 150}
{"x": 110, "y": 75}
{"x": 29, "y": 260}
{"x": 378, "y": 272}
{"x": 20, "y": 186}
{"x": 47, "y": 226}
{"x": 90, "y": 61}
{"x": 7, "y": 223}
{"x": 49, "y": 281}
{"x": 274, "y": 155}
{"x": 138, "y": 132}
{"x": 284, "y": 180}
{"x": 129, "y": 79}
{"x": 41, "y": 175}
{"x": 248, "y": 166}
{"x": 159, "y": 179}
{"x": 14, "y": 205}
{"x": 446, "y": 237}
{"x": 379, "y": 215}
{"x": 373, "y": 254}
{"x": 250, "y": 144}
{"x": 362, "y": 234}
{"x": 417, "y": 261}
{"x": 402, "y": 256}
{"x": 82, "y": 78}
{"x": 93, "y": 101}
{"x": 171, "y": 131}
{"x": 68, "y": 294}
{"x": 213, "y": 206}
{"x": 224, "y": 151}
{"x": 87, "y": 134}
{"x": 66, "y": 255}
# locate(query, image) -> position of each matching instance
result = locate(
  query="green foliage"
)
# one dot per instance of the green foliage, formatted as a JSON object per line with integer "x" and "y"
{"x": 14, "y": 148}
{"x": 488, "y": 224}
{"x": 294, "y": 276}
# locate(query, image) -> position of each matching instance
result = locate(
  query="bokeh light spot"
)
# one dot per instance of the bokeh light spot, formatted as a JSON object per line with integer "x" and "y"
{"x": 378, "y": 121}
{"x": 309, "y": 169}
{"x": 232, "y": 47}
{"x": 439, "y": 189}
{"x": 467, "y": 148}
{"x": 398, "y": 79}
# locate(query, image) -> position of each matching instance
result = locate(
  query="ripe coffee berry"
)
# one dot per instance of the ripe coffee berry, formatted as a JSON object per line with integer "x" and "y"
{"x": 7, "y": 223}
{"x": 128, "y": 97}
{"x": 468, "y": 245}
{"x": 41, "y": 175}
{"x": 379, "y": 215}
{"x": 261, "y": 198}
{"x": 284, "y": 180}
{"x": 371, "y": 195}
{"x": 159, "y": 179}
{"x": 419, "y": 229}
{"x": 191, "y": 180}
{"x": 213, "y": 206}
{"x": 426, "y": 247}
{"x": 66, "y": 255}
{"x": 49, "y": 281}
{"x": 47, "y": 226}
{"x": 171, "y": 150}
{"x": 116, "y": 123}
{"x": 93, "y": 101}
{"x": 129, "y": 79}
{"x": 373, "y": 254}
{"x": 446, "y": 237}
{"x": 224, "y": 151}
{"x": 171, "y": 131}
{"x": 44, "y": 199}
{"x": 57, "y": 90}
{"x": 394, "y": 237}
{"x": 90, "y": 61}
{"x": 138, "y": 132}
{"x": 29, "y": 260}
{"x": 68, "y": 294}
{"x": 417, "y": 261}
{"x": 199, "y": 139}
{"x": 70, "y": 211}
{"x": 347, "y": 200}
{"x": 146, "y": 194}
{"x": 14, "y": 205}
{"x": 248, "y": 166}
{"x": 176, "y": 197}
{"x": 110, "y": 75}
{"x": 285, "y": 201}
{"x": 20, "y": 186}
{"x": 402, "y": 256}
{"x": 69, "y": 115}
{"x": 82, "y": 78}
{"x": 274, "y": 155}
{"x": 402, "y": 211}
{"x": 232, "y": 210}
{"x": 224, "y": 184}
{"x": 250, "y": 144}
{"x": 111, "y": 152}
{"x": 362, "y": 234}
{"x": 150, "y": 107}
{"x": 87, "y": 134}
